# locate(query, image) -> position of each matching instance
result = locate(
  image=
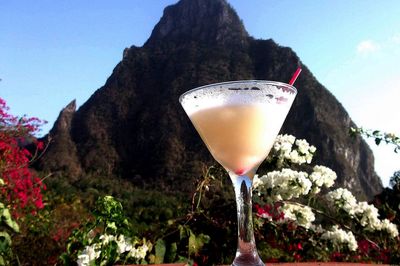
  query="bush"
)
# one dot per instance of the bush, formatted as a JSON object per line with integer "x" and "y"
{"x": 20, "y": 188}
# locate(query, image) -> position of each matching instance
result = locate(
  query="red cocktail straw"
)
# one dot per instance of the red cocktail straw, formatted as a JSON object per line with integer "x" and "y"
{"x": 295, "y": 75}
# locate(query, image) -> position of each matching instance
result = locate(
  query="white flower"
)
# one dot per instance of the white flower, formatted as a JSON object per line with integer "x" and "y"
{"x": 83, "y": 260}
{"x": 302, "y": 215}
{"x": 368, "y": 215}
{"x": 142, "y": 250}
{"x": 305, "y": 150}
{"x": 302, "y": 146}
{"x": 315, "y": 190}
{"x": 286, "y": 147}
{"x": 317, "y": 228}
{"x": 139, "y": 252}
{"x": 257, "y": 182}
{"x": 282, "y": 147}
{"x": 88, "y": 255}
{"x": 295, "y": 157}
{"x": 105, "y": 239}
{"x": 124, "y": 244}
{"x": 340, "y": 237}
{"x": 312, "y": 149}
{"x": 284, "y": 142}
{"x": 285, "y": 184}
{"x": 323, "y": 176}
{"x": 389, "y": 227}
{"x": 343, "y": 199}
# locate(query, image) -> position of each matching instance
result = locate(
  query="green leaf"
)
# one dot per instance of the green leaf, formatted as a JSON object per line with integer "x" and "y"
{"x": 196, "y": 243}
{"x": 173, "y": 250}
{"x": 353, "y": 132}
{"x": 5, "y": 242}
{"x": 151, "y": 258}
{"x": 5, "y": 216}
{"x": 182, "y": 232}
{"x": 378, "y": 141}
{"x": 160, "y": 251}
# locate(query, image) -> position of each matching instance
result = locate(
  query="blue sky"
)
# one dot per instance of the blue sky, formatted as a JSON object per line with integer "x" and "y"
{"x": 52, "y": 52}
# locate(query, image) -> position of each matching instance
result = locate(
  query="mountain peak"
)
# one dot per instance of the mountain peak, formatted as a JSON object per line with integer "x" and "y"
{"x": 134, "y": 127}
{"x": 209, "y": 21}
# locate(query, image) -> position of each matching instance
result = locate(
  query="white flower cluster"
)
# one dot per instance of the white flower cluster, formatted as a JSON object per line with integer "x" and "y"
{"x": 286, "y": 147}
{"x": 340, "y": 237}
{"x": 317, "y": 228}
{"x": 302, "y": 215}
{"x": 344, "y": 200}
{"x": 124, "y": 244}
{"x": 89, "y": 255}
{"x": 366, "y": 214}
{"x": 321, "y": 176}
{"x": 285, "y": 184}
{"x": 390, "y": 228}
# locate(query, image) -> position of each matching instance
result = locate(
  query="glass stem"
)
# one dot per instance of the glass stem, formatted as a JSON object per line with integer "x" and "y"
{"x": 246, "y": 253}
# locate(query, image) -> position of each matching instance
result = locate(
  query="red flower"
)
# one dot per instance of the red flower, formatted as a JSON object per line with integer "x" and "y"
{"x": 22, "y": 189}
{"x": 363, "y": 246}
{"x": 384, "y": 256}
{"x": 337, "y": 256}
{"x": 40, "y": 145}
{"x": 295, "y": 247}
{"x": 297, "y": 257}
{"x": 269, "y": 211}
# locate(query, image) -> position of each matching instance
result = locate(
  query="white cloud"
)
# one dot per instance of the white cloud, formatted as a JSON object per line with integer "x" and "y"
{"x": 396, "y": 38}
{"x": 367, "y": 47}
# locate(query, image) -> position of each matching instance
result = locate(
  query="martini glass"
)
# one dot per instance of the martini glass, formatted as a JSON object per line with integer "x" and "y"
{"x": 239, "y": 121}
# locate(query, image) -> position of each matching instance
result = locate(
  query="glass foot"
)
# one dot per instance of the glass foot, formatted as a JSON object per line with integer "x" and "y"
{"x": 248, "y": 260}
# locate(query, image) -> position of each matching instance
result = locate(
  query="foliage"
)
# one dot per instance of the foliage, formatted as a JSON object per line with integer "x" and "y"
{"x": 107, "y": 239}
{"x": 379, "y": 136}
{"x": 7, "y": 225}
{"x": 43, "y": 236}
{"x": 20, "y": 188}
{"x": 292, "y": 202}
{"x": 394, "y": 181}
{"x": 296, "y": 219}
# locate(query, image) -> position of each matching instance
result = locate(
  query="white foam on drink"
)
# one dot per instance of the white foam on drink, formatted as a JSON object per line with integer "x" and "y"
{"x": 238, "y": 93}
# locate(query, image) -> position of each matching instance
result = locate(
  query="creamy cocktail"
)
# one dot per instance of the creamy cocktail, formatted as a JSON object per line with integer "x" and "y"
{"x": 239, "y": 136}
{"x": 239, "y": 121}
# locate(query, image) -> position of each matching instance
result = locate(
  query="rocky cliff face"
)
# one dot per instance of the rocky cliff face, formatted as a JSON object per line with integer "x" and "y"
{"x": 209, "y": 21}
{"x": 62, "y": 154}
{"x": 134, "y": 126}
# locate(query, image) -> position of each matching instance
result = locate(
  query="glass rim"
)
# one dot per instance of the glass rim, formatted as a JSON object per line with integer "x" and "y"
{"x": 235, "y": 82}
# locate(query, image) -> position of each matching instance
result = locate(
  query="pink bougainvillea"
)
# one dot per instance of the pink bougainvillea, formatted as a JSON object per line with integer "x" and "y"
{"x": 21, "y": 188}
